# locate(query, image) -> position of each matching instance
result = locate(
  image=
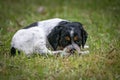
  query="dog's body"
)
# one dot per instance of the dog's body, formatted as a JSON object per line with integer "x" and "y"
{"x": 56, "y": 34}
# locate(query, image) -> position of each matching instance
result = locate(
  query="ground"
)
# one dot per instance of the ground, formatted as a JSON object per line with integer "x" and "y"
{"x": 101, "y": 19}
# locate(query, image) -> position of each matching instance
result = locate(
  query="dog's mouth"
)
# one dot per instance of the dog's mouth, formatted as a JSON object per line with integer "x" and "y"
{"x": 71, "y": 50}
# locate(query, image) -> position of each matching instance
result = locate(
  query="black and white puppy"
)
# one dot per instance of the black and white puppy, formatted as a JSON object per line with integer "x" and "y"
{"x": 49, "y": 36}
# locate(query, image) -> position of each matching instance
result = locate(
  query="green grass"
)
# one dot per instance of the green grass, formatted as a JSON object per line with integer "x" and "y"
{"x": 101, "y": 19}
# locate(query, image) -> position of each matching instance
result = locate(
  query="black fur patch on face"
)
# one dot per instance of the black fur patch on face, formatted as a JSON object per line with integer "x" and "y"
{"x": 67, "y": 33}
{"x": 31, "y": 25}
{"x": 72, "y": 31}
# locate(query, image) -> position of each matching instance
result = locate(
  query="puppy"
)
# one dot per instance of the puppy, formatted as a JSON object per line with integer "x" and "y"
{"x": 49, "y": 36}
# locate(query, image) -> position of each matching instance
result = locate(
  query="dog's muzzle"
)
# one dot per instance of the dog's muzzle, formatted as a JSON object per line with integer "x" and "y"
{"x": 71, "y": 49}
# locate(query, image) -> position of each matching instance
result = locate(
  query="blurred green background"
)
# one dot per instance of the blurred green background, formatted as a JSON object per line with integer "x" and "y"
{"x": 101, "y": 19}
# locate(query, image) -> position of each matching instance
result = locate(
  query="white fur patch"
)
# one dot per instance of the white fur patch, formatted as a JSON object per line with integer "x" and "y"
{"x": 48, "y": 25}
{"x": 30, "y": 40}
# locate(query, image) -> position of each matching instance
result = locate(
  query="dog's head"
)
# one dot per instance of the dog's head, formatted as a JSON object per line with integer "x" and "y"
{"x": 69, "y": 35}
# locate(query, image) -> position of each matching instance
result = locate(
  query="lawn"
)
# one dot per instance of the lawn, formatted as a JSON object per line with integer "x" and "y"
{"x": 101, "y": 19}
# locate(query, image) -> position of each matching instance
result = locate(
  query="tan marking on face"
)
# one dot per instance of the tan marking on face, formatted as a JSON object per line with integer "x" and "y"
{"x": 67, "y": 38}
{"x": 75, "y": 38}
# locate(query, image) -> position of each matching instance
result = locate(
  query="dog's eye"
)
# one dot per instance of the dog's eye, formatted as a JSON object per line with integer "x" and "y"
{"x": 77, "y": 39}
{"x": 67, "y": 38}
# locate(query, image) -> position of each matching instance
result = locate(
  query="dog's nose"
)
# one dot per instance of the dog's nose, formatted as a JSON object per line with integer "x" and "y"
{"x": 73, "y": 50}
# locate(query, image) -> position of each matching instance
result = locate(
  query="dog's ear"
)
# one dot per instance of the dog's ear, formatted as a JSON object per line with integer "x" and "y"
{"x": 55, "y": 34}
{"x": 54, "y": 37}
{"x": 84, "y": 37}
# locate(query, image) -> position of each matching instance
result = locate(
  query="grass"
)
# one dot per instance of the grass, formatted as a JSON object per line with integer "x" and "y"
{"x": 101, "y": 19}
